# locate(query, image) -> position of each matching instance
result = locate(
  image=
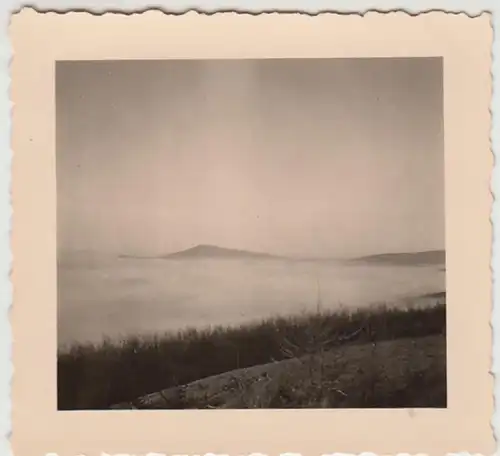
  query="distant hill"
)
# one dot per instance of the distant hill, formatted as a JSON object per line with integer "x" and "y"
{"x": 212, "y": 251}
{"x": 416, "y": 258}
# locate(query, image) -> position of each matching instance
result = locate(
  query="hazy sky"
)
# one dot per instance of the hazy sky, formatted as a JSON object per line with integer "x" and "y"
{"x": 339, "y": 157}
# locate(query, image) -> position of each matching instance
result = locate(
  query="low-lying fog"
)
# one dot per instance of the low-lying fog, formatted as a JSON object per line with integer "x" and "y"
{"x": 118, "y": 297}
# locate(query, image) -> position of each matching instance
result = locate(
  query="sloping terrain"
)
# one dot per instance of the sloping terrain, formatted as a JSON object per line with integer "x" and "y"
{"x": 395, "y": 373}
{"x": 94, "y": 377}
{"x": 213, "y": 251}
{"x": 415, "y": 258}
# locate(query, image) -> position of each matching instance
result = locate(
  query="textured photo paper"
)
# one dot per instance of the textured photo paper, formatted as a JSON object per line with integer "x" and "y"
{"x": 239, "y": 233}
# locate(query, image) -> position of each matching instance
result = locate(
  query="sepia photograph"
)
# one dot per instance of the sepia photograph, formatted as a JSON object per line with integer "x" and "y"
{"x": 271, "y": 232}
{"x": 250, "y": 233}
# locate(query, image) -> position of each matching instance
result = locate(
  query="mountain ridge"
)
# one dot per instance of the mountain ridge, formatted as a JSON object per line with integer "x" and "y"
{"x": 213, "y": 251}
{"x": 407, "y": 258}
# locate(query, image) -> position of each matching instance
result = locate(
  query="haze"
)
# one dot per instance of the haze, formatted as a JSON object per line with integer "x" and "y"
{"x": 340, "y": 157}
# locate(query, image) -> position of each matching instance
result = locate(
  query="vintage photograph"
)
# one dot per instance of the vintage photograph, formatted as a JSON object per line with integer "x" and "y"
{"x": 272, "y": 231}
{"x": 260, "y": 233}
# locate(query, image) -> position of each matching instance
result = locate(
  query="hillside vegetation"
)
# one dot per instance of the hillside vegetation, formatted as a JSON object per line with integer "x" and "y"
{"x": 100, "y": 376}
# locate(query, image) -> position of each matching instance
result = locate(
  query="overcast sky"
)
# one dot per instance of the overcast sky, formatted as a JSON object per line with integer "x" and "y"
{"x": 337, "y": 157}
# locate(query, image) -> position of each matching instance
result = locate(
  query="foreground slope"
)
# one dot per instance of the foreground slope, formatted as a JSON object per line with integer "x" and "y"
{"x": 94, "y": 377}
{"x": 394, "y": 373}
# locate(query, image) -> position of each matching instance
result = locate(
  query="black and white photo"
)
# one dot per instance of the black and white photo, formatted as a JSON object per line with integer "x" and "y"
{"x": 251, "y": 233}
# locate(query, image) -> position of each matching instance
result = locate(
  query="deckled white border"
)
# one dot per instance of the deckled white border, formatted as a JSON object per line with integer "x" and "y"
{"x": 471, "y": 7}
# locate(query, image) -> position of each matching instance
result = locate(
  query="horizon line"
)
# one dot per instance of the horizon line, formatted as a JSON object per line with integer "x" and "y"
{"x": 257, "y": 252}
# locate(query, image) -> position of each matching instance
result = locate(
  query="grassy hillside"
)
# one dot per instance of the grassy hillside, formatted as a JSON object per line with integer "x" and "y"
{"x": 394, "y": 373}
{"x": 98, "y": 376}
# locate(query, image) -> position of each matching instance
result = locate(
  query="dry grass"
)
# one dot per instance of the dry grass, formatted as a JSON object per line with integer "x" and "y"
{"x": 96, "y": 377}
{"x": 399, "y": 373}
